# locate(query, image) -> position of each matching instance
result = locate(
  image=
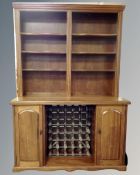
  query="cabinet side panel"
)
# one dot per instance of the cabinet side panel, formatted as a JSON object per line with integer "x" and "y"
{"x": 123, "y": 135}
{"x": 18, "y": 61}
{"x": 16, "y": 137}
{"x": 118, "y": 49}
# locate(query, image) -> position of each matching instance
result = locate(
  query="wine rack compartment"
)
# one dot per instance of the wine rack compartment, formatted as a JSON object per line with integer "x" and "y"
{"x": 69, "y": 130}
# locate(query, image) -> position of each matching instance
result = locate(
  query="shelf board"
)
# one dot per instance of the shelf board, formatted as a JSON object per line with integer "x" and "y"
{"x": 94, "y": 53}
{"x": 43, "y": 70}
{"x": 63, "y": 70}
{"x": 45, "y": 94}
{"x": 74, "y": 34}
{"x": 41, "y": 34}
{"x": 94, "y": 34}
{"x": 41, "y": 52}
{"x": 93, "y": 70}
{"x": 76, "y": 53}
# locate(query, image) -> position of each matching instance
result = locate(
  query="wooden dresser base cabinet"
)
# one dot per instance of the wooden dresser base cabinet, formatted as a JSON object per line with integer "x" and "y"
{"x": 108, "y": 139}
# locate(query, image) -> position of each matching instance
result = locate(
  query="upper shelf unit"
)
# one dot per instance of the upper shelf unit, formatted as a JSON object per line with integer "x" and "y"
{"x": 69, "y": 53}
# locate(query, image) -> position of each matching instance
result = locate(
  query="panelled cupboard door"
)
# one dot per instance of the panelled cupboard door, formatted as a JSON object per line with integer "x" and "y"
{"x": 28, "y": 130}
{"x": 110, "y": 134}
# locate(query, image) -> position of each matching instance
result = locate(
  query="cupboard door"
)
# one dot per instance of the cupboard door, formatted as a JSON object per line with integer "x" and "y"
{"x": 110, "y": 130}
{"x": 28, "y": 121}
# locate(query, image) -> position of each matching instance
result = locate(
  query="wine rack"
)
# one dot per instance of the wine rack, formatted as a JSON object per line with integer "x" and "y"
{"x": 69, "y": 130}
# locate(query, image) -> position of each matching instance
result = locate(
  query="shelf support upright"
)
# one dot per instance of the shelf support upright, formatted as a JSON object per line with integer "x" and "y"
{"x": 68, "y": 51}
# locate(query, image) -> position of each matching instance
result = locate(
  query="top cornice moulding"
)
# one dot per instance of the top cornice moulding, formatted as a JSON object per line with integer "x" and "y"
{"x": 70, "y": 6}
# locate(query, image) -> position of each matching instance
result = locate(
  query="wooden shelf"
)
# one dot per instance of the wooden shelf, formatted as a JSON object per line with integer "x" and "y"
{"x": 95, "y": 53}
{"x": 64, "y": 35}
{"x": 42, "y": 52}
{"x": 93, "y": 70}
{"x": 94, "y": 35}
{"x": 84, "y": 53}
{"x": 43, "y": 34}
{"x": 74, "y": 70}
{"x": 45, "y": 94}
{"x": 43, "y": 70}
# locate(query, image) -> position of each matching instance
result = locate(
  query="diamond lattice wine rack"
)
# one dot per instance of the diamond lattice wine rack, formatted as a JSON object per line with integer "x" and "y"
{"x": 69, "y": 130}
